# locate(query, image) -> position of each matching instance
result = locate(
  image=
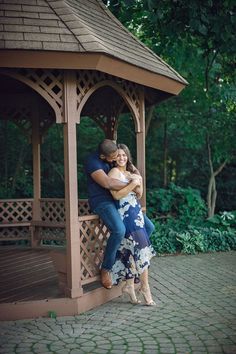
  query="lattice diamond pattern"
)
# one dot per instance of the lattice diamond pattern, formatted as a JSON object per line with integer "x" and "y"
{"x": 16, "y": 233}
{"x": 15, "y": 211}
{"x": 50, "y": 81}
{"x": 86, "y": 79}
{"x": 83, "y": 207}
{"x": 93, "y": 237}
{"x": 53, "y": 210}
{"x": 56, "y": 234}
{"x": 93, "y": 233}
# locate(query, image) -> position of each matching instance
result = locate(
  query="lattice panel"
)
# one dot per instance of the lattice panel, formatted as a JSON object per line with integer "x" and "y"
{"x": 48, "y": 83}
{"x": 133, "y": 93}
{"x": 83, "y": 207}
{"x": 108, "y": 124}
{"x": 13, "y": 112}
{"x": 93, "y": 238}
{"x": 55, "y": 234}
{"x": 51, "y": 81}
{"x": 53, "y": 210}
{"x": 16, "y": 233}
{"x": 22, "y": 113}
{"x": 86, "y": 79}
{"x": 15, "y": 210}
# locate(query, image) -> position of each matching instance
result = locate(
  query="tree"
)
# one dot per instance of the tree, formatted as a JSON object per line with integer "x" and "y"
{"x": 198, "y": 39}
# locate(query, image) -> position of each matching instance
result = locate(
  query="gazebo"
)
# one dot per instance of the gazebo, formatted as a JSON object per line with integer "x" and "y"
{"x": 60, "y": 61}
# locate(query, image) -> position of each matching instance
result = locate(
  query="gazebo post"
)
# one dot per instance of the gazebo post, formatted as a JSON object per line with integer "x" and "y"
{"x": 140, "y": 141}
{"x": 36, "y": 148}
{"x": 74, "y": 287}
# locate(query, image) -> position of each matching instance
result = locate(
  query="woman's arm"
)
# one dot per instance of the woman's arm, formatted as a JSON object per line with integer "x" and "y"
{"x": 139, "y": 189}
{"x": 115, "y": 173}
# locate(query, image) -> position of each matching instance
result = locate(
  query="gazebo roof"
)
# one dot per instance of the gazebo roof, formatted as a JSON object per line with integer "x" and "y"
{"x": 76, "y": 26}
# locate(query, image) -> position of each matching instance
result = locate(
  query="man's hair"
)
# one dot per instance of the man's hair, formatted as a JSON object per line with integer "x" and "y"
{"x": 107, "y": 147}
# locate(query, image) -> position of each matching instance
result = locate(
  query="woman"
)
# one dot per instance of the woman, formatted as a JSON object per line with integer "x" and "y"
{"x": 135, "y": 252}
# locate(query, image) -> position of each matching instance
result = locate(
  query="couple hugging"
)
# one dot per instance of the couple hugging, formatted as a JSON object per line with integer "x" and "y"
{"x": 113, "y": 195}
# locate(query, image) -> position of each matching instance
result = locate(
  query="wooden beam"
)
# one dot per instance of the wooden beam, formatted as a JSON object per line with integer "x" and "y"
{"x": 91, "y": 61}
{"x": 74, "y": 287}
{"x": 140, "y": 141}
{"x": 36, "y": 174}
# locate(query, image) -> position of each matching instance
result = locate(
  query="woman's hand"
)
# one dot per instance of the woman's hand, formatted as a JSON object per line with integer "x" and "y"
{"x": 132, "y": 176}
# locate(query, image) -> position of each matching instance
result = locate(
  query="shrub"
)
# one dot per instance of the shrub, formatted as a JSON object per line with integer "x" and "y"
{"x": 180, "y": 222}
{"x": 176, "y": 201}
{"x": 192, "y": 241}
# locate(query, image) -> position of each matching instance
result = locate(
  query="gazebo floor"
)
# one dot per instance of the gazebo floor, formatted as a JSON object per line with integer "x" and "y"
{"x": 27, "y": 274}
{"x": 29, "y": 287}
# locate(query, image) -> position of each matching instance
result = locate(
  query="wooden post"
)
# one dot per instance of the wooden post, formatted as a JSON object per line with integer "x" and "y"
{"x": 140, "y": 141}
{"x": 74, "y": 287}
{"x": 36, "y": 141}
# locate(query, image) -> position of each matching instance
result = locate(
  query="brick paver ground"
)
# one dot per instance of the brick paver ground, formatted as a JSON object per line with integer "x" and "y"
{"x": 195, "y": 314}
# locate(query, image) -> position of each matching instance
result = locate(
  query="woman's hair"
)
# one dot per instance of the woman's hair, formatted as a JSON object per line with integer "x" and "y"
{"x": 130, "y": 167}
{"x": 107, "y": 147}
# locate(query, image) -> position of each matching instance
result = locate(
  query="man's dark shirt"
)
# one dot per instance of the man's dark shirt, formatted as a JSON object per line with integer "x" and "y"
{"x": 96, "y": 193}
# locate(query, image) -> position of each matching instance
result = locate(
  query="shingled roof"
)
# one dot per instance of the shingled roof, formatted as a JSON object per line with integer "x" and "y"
{"x": 84, "y": 26}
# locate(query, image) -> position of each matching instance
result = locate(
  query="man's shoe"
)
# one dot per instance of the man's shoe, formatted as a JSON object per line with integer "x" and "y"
{"x": 106, "y": 279}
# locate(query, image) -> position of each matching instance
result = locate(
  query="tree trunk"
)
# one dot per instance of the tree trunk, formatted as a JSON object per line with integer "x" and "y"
{"x": 6, "y": 156}
{"x": 165, "y": 154}
{"x": 149, "y": 118}
{"x": 212, "y": 191}
{"x": 211, "y": 196}
{"x": 19, "y": 163}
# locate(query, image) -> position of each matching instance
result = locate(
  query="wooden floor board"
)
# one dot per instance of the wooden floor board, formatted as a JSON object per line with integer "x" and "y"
{"x": 27, "y": 274}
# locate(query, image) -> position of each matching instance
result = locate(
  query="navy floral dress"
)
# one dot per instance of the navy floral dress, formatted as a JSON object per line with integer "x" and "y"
{"x": 135, "y": 251}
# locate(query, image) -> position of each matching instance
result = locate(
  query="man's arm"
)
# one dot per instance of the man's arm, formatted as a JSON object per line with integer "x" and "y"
{"x": 105, "y": 181}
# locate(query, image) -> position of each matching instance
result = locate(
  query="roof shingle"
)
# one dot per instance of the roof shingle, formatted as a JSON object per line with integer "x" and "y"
{"x": 84, "y": 26}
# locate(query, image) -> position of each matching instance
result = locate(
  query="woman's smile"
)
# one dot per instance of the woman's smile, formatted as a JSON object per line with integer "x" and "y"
{"x": 121, "y": 158}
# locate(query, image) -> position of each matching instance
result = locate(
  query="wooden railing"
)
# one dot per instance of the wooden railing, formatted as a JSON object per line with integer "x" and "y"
{"x": 93, "y": 239}
{"x": 16, "y": 224}
{"x": 16, "y": 216}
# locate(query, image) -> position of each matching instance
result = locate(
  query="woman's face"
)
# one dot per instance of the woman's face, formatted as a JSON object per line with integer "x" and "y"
{"x": 122, "y": 158}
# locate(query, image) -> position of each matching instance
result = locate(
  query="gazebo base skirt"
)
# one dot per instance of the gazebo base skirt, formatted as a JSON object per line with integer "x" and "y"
{"x": 59, "y": 307}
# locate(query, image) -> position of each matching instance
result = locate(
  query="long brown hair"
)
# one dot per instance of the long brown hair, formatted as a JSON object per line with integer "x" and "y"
{"x": 129, "y": 167}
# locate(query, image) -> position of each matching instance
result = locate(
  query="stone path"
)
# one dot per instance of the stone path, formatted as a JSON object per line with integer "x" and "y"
{"x": 196, "y": 313}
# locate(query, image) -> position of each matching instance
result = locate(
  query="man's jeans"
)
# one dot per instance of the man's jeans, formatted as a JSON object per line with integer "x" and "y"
{"x": 111, "y": 218}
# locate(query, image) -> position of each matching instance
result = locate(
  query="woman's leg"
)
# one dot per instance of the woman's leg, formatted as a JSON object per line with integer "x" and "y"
{"x": 128, "y": 288}
{"x": 145, "y": 288}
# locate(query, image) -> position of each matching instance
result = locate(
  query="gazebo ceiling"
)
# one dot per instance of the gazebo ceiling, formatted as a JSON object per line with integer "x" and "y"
{"x": 79, "y": 34}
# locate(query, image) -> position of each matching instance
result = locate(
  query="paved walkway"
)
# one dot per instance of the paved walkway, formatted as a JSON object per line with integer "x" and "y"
{"x": 196, "y": 313}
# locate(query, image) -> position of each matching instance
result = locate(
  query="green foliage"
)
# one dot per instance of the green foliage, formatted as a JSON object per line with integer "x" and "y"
{"x": 198, "y": 40}
{"x": 176, "y": 201}
{"x": 164, "y": 238}
{"x": 224, "y": 219}
{"x": 192, "y": 241}
{"x": 179, "y": 216}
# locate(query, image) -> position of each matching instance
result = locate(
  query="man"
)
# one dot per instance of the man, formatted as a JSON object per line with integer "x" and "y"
{"x": 101, "y": 202}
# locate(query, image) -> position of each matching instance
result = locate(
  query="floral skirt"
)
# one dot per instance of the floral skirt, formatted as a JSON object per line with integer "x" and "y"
{"x": 133, "y": 257}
